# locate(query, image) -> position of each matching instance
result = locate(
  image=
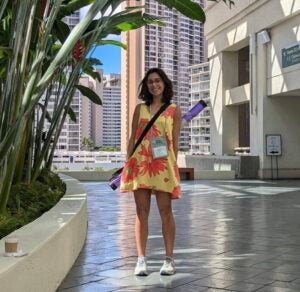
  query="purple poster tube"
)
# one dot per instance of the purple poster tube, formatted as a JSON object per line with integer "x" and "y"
{"x": 115, "y": 182}
{"x": 193, "y": 112}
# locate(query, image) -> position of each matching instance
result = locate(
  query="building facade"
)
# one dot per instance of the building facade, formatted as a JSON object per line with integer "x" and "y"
{"x": 111, "y": 103}
{"x": 254, "y": 52}
{"x": 91, "y": 114}
{"x": 200, "y": 125}
{"x": 174, "y": 47}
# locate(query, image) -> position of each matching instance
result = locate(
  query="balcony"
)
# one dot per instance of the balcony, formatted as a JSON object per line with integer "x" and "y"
{"x": 237, "y": 95}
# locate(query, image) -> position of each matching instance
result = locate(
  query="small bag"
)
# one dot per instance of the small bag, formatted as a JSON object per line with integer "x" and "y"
{"x": 159, "y": 147}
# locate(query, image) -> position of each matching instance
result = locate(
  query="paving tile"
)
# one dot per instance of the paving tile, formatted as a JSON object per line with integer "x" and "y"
{"x": 155, "y": 280}
{"x": 115, "y": 273}
{"x": 90, "y": 287}
{"x": 70, "y": 282}
{"x": 211, "y": 282}
{"x": 276, "y": 289}
{"x": 244, "y": 287}
{"x": 231, "y": 236}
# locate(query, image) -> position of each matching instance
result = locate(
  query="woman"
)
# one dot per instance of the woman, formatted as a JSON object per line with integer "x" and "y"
{"x": 144, "y": 173}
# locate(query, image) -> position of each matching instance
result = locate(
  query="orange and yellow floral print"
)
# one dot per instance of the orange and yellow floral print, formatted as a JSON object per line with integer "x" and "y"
{"x": 153, "y": 132}
{"x": 130, "y": 170}
{"x": 141, "y": 171}
{"x": 169, "y": 112}
{"x": 176, "y": 171}
{"x": 151, "y": 166}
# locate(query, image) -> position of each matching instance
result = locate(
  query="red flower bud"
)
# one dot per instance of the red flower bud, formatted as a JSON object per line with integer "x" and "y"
{"x": 78, "y": 51}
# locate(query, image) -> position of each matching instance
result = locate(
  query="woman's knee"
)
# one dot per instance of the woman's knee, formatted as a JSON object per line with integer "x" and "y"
{"x": 142, "y": 212}
{"x": 166, "y": 213}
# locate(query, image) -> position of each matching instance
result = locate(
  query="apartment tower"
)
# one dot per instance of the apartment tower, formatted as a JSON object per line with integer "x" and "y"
{"x": 111, "y": 126}
{"x": 200, "y": 125}
{"x": 173, "y": 47}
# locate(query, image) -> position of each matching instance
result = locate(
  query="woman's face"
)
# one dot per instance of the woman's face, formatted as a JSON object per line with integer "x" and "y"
{"x": 155, "y": 85}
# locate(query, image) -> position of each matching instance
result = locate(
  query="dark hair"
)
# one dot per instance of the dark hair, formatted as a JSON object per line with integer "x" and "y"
{"x": 144, "y": 93}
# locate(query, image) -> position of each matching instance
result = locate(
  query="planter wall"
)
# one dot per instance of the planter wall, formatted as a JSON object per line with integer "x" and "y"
{"x": 53, "y": 242}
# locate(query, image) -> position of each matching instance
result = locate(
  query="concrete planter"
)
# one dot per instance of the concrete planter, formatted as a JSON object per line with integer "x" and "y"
{"x": 53, "y": 242}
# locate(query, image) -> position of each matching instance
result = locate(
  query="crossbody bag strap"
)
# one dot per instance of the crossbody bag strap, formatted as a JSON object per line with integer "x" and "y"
{"x": 149, "y": 125}
{"x": 138, "y": 142}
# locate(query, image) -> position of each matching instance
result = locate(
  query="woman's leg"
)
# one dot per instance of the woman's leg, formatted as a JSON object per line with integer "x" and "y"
{"x": 164, "y": 204}
{"x": 142, "y": 201}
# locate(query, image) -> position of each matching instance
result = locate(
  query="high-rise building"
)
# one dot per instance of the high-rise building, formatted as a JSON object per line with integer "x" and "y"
{"x": 70, "y": 135}
{"x": 72, "y": 20}
{"x": 173, "y": 47}
{"x": 111, "y": 103}
{"x": 91, "y": 113}
{"x": 200, "y": 125}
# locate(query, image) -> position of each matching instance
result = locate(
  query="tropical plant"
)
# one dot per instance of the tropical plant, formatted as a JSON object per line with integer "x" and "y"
{"x": 39, "y": 55}
{"x": 87, "y": 144}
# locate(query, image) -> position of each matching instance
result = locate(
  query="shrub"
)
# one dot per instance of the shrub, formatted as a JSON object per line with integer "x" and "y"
{"x": 29, "y": 201}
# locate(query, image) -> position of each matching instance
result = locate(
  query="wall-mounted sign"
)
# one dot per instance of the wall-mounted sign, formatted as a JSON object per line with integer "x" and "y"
{"x": 291, "y": 55}
{"x": 273, "y": 145}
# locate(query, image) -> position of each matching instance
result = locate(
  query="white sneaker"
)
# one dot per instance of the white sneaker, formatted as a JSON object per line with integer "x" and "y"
{"x": 141, "y": 267}
{"x": 168, "y": 267}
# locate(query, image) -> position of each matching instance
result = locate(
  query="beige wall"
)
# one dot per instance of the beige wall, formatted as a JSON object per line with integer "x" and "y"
{"x": 132, "y": 74}
{"x": 274, "y": 91}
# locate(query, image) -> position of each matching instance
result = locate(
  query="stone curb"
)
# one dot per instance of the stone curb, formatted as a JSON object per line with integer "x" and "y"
{"x": 53, "y": 242}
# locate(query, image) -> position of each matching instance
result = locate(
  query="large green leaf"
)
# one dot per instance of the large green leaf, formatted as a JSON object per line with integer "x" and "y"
{"x": 47, "y": 114}
{"x": 61, "y": 30}
{"x": 72, "y": 6}
{"x": 127, "y": 21}
{"x": 3, "y": 7}
{"x": 89, "y": 70}
{"x": 71, "y": 114}
{"x": 186, "y": 7}
{"x": 5, "y": 52}
{"x": 89, "y": 93}
{"x": 112, "y": 42}
{"x": 93, "y": 62}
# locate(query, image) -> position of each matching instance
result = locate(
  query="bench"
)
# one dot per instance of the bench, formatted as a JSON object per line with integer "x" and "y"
{"x": 186, "y": 173}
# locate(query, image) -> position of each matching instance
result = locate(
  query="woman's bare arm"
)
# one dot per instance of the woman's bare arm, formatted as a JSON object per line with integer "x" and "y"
{"x": 134, "y": 126}
{"x": 176, "y": 129}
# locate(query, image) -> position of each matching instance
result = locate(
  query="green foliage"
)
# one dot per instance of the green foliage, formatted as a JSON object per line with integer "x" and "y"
{"x": 87, "y": 168}
{"x": 29, "y": 201}
{"x": 108, "y": 148}
{"x": 39, "y": 53}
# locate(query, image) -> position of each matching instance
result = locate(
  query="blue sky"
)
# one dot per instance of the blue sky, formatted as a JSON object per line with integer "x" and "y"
{"x": 109, "y": 55}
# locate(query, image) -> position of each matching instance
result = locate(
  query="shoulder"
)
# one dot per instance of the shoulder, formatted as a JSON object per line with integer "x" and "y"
{"x": 172, "y": 111}
{"x": 177, "y": 109}
{"x": 138, "y": 107}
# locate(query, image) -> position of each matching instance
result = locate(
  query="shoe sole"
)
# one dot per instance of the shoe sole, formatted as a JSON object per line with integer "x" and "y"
{"x": 168, "y": 274}
{"x": 141, "y": 274}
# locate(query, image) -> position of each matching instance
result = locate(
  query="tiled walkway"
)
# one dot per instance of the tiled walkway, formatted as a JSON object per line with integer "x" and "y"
{"x": 231, "y": 236}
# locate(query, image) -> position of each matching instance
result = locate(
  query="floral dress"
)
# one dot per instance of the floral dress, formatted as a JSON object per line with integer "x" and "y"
{"x": 141, "y": 171}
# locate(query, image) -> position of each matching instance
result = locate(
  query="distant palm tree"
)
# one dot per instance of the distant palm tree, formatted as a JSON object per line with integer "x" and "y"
{"x": 87, "y": 144}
